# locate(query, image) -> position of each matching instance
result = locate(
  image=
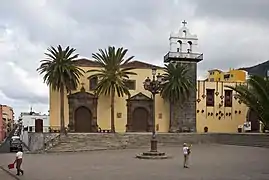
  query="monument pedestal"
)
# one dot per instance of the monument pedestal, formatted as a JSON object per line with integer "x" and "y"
{"x": 153, "y": 153}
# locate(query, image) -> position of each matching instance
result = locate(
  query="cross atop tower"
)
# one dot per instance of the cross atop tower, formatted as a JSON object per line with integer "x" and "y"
{"x": 184, "y": 22}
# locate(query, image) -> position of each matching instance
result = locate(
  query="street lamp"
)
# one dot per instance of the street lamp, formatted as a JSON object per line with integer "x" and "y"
{"x": 154, "y": 86}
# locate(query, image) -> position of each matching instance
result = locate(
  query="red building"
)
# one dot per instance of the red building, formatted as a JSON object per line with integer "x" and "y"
{"x": 2, "y": 131}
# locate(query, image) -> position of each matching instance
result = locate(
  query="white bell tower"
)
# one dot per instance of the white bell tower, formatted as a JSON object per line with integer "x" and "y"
{"x": 183, "y": 46}
{"x": 184, "y": 49}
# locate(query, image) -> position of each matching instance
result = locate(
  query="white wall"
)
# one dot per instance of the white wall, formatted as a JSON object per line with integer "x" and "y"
{"x": 184, "y": 36}
{"x": 29, "y": 121}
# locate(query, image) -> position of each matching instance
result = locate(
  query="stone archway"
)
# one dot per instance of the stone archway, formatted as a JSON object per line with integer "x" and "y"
{"x": 83, "y": 120}
{"x": 140, "y": 120}
{"x": 82, "y": 103}
{"x": 139, "y": 113}
{"x": 254, "y": 119}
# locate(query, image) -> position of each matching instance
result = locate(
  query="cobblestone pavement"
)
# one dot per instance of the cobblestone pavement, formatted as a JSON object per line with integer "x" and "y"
{"x": 207, "y": 162}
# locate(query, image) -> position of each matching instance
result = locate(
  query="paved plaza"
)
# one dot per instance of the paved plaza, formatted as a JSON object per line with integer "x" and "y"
{"x": 207, "y": 162}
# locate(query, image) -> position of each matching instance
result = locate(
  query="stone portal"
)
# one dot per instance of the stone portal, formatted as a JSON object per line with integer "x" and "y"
{"x": 82, "y": 112}
{"x": 139, "y": 113}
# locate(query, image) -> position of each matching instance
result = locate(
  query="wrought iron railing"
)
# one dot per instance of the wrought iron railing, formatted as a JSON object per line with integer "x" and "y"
{"x": 194, "y": 56}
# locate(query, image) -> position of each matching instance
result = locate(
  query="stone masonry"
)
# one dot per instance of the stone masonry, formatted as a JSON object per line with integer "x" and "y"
{"x": 75, "y": 142}
{"x": 183, "y": 117}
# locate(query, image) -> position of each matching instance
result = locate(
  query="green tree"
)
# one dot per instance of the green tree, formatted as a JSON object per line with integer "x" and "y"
{"x": 176, "y": 89}
{"x": 60, "y": 73}
{"x": 114, "y": 72}
{"x": 255, "y": 94}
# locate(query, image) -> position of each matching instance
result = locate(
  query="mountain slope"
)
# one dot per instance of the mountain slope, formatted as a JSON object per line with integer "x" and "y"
{"x": 260, "y": 69}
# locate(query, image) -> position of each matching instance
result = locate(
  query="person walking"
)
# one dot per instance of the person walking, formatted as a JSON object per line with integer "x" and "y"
{"x": 186, "y": 153}
{"x": 18, "y": 161}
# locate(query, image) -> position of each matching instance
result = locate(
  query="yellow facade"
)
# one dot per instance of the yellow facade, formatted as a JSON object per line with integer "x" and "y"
{"x": 217, "y": 117}
{"x": 206, "y": 116}
{"x": 233, "y": 75}
{"x": 103, "y": 109}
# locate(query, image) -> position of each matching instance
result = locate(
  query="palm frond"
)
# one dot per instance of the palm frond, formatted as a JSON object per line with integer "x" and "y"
{"x": 113, "y": 73}
{"x": 59, "y": 68}
{"x": 256, "y": 96}
{"x": 177, "y": 84}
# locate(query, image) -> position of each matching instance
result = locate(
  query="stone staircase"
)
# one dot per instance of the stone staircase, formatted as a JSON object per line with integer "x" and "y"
{"x": 75, "y": 142}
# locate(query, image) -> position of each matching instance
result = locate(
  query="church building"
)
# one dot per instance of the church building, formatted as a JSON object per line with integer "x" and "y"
{"x": 211, "y": 106}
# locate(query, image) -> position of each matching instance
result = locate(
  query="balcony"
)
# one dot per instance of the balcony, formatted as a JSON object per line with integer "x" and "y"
{"x": 183, "y": 56}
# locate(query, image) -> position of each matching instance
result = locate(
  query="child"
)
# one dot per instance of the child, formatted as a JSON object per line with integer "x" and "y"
{"x": 186, "y": 153}
{"x": 18, "y": 161}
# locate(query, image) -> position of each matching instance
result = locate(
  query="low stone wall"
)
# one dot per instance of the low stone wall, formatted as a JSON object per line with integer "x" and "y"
{"x": 98, "y": 141}
{"x": 36, "y": 141}
{"x": 243, "y": 139}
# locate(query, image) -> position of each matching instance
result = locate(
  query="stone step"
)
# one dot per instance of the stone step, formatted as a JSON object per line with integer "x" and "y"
{"x": 88, "y": 142}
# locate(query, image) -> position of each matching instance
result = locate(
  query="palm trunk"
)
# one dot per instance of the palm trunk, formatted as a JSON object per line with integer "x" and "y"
{"x": 62, "y": 109}
{"x": 112, "y": 111}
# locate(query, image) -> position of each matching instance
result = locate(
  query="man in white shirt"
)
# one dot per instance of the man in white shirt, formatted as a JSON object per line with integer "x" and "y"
{"x": 18, "y": 161}
{"x": 186, "y": 153}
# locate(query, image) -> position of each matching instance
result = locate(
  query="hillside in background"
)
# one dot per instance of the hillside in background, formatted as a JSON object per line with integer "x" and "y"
{"x": 260, "y": 69}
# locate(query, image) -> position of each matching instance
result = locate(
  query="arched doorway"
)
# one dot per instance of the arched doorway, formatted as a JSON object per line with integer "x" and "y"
{"x": 39, "y": 125}
{"x": 254, "y": 119}
{"x": 140, "y": 120}
{"x": 83, "y": 120}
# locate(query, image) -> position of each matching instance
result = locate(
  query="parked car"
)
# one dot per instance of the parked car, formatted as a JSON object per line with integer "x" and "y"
{"x": 15, "y": 143}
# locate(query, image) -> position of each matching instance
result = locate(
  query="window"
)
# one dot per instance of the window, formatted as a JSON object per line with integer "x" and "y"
{"x": 210, "y": 97}
{"x": 130, "y": 84}
{"x": 228, "y": 98}
{"x": 226, "y": 76}
{"x": 184, "y": 33}
{"x": 93, "y": 81}
{"x": 190, "y": 46}
{"x": 180, "y": 46}
{"x": 30, "y": 129}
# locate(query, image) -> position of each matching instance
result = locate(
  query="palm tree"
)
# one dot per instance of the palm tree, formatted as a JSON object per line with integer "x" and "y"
{"x": 255, "y": 94}
{"x": 112, "y": 75}
{"x": 176, "y": 89}
{"x": 61, "y": 73}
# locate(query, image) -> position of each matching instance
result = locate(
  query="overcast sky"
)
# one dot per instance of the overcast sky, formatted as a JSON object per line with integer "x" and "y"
{"x": 232, "y": 33}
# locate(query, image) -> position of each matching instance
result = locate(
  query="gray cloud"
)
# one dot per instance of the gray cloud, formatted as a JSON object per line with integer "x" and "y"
{"x": 230, "y": 10}
{"x": 231, "y": 34}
